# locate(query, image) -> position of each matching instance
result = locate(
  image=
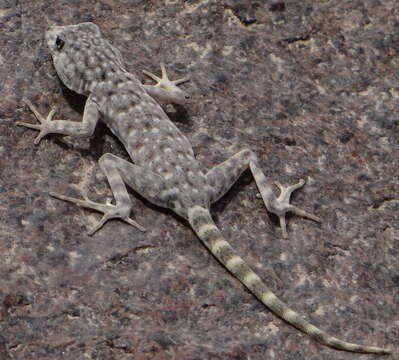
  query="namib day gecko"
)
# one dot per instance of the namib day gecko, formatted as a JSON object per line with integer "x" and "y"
{"x": 164, "y": 169}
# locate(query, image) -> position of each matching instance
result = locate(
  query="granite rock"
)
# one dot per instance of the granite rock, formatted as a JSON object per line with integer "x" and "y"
{"x": 310, "y": 86}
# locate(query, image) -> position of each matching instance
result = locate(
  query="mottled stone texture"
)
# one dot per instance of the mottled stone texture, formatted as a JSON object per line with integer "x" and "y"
{"x": 310, "y": 86}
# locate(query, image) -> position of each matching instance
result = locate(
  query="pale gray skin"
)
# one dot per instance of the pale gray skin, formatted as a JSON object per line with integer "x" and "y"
{"x": 164, "y": 169}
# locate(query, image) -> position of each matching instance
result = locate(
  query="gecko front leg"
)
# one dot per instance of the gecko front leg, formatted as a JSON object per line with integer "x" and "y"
{"x": 48, "y": 126}
{"x": 165, "y": 90}
{"x": 223, "y": 176}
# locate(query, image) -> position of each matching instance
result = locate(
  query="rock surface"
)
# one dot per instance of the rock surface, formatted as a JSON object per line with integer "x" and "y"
{"x": 310, "y": 86}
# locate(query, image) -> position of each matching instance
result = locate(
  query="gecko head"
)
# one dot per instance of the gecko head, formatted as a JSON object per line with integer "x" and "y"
{"x": 75, "y": 51}
{"x": 59, "y": 36}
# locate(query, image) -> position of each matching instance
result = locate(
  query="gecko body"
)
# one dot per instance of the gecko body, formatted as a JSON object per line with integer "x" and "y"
{"x": 164, "y": 169}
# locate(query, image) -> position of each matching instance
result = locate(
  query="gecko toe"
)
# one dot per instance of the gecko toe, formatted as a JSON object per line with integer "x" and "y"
{"x": 110, "y": 211}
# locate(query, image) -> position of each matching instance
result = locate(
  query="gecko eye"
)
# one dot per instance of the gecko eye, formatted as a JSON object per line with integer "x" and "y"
{"x": 59, "y": 43}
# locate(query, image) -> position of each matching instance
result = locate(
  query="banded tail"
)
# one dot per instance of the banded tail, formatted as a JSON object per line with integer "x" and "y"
{"x": 202, "y": 223}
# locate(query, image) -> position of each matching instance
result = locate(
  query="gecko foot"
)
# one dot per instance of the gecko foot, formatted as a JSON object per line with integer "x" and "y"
{"x": 43, "y": 127}
{"x": 110, "y": 211}
{"x": 281, "y": 205}
{"x": 166, "y": 90}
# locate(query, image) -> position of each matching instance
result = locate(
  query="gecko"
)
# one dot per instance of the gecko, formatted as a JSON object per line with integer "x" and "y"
{"x": 164, "y": 169}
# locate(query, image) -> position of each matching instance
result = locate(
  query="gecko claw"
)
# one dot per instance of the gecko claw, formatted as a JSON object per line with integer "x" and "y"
{"x": 99, "y": 225}
{"x": 109, "y": 211}
{"x": 134, "y": 223}
{"x": 110, "y": 216}
{"x": 166, "y": 90}
{"x": 304, "y": 214}
{"x": 281, "y": 205}
{"x": 43, "y": 127}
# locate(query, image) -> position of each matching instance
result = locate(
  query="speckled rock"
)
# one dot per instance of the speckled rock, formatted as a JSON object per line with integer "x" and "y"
{"x": 310, "y": 86}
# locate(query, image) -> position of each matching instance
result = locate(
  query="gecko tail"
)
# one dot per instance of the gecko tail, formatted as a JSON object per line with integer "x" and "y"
{"x": 203, "y": 225}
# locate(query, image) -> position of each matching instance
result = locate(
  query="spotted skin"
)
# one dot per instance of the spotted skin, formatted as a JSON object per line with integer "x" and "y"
{"x": 164, "y": 169}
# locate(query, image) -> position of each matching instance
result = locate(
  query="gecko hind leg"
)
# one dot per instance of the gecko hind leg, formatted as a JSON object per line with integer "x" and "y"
{"x": 223, "y": 176}
{"x": 165, "y": 90}
{"x": 119, "y": 172}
